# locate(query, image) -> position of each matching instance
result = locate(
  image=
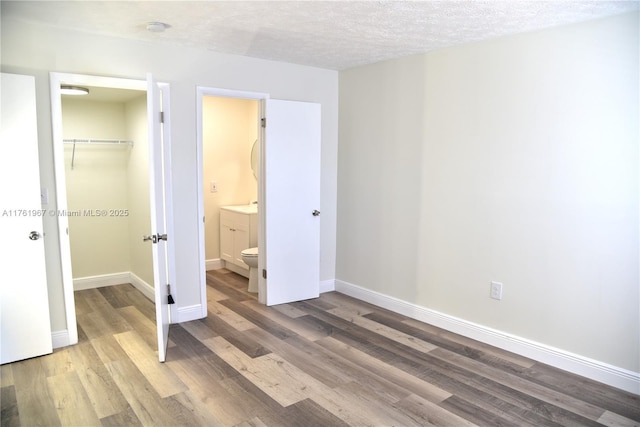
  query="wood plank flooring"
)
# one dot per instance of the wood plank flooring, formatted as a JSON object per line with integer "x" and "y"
{"x": 331, "y": 361}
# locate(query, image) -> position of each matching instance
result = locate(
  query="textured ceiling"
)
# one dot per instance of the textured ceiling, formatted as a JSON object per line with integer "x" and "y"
{"x": 327, "y": 34}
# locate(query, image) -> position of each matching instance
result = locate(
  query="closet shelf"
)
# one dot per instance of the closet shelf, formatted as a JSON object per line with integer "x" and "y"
{"x": 97, "y": 141}
{"x": 93, "y": 141}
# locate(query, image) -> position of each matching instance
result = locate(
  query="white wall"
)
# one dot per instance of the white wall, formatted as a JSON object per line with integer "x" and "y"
{"x": 230, "y": 127}
{"x": 514, "y": 160}
{"x": 36, "y": 50}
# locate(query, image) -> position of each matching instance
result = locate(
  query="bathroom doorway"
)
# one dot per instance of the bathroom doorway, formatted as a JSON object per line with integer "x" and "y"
{"x": 230, "y": 131}
{"x": 288, "y": 159}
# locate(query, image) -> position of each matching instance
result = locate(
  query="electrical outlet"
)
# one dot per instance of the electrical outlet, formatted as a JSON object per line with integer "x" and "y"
{"x": 214, "y": 186}
{"x": 496, "y": 290}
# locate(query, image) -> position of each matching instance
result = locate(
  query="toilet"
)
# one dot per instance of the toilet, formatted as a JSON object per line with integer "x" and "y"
{"x": 250, "y": 257}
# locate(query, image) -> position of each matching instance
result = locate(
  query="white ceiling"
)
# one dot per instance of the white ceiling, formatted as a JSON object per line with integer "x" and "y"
{"x": 328, "y": 34}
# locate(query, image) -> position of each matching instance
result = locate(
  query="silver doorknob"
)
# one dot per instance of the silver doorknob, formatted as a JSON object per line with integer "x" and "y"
{"x": 34, "y": 235}
{"x": 149, "y": 238}
{"x": 315, "y": 213}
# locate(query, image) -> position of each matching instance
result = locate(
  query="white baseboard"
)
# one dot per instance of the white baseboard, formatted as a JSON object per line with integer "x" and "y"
{"x": 589, "y": 368}
{"x": 146, "y": 289}
{"x": 214, "y": 264}
{"x": 100, "y": 281}
{"x": 92, "y": 282}
{"x": 327, "y": 286}
{"x": 60, "y": 339}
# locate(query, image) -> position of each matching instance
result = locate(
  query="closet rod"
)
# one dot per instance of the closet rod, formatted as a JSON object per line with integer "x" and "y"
{"x": 93, "y": 142}
{"x": 97, "y": 141}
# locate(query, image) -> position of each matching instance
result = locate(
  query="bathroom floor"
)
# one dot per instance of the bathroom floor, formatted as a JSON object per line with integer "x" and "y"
{"x": 329, "y": 361}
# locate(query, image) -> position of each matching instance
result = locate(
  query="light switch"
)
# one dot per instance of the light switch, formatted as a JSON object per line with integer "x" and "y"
{"x": 214, "y": 186}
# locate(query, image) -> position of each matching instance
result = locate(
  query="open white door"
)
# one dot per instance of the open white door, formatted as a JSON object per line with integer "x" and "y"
{"x": 24, "y": 316}
{"x": 160, "y": 192}
{"x": 292, "y": 187}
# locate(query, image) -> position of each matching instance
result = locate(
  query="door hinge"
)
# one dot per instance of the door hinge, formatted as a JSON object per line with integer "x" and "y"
{"x": 169, "y": 297}
{"x": 263, "y": 122}
{"x": 161, "y": 116}
{"x": 264, "y": 273}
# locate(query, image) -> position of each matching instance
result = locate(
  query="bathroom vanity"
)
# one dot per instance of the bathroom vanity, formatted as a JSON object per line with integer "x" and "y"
{"x": 238, "y": 231}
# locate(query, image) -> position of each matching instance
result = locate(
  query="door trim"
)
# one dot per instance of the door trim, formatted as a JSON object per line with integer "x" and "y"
{"x": 203, "y": 91}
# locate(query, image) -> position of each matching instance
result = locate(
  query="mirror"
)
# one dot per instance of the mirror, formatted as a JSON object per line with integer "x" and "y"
{"x": 254, "y": 159}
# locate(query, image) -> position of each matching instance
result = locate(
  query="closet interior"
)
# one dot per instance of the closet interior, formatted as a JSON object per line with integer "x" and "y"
{"x": 107, "y": 183}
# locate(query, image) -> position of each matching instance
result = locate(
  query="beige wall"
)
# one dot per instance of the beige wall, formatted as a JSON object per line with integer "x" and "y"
{"x": 111, "y": 178}
{"x": 230, "y": 127}
{"x": 98, "y": 181}
{"x": 514, "y": 160}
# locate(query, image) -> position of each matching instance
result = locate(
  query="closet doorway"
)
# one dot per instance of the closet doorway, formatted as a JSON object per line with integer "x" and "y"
{"x": 107, "y": 187}
{"x": 114, "y": 228}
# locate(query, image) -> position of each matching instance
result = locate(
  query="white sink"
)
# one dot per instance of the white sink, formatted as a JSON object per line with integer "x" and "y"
{"x": 245, "y": 209}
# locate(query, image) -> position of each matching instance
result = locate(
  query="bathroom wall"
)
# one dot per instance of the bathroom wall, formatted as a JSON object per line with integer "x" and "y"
{"x": 98, "y": 181}
{"x": 230, "y": 127}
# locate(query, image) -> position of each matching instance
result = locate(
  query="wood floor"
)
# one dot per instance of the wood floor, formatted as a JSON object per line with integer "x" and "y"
{"x": 332, "y": 361}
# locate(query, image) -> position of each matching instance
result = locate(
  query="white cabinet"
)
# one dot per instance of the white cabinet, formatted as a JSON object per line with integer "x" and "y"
{"x": 238, "y": 231}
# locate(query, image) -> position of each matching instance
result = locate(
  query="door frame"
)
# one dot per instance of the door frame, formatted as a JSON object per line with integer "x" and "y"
{"x": 56, "y": 80}
{"x": 261, "y": 97}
